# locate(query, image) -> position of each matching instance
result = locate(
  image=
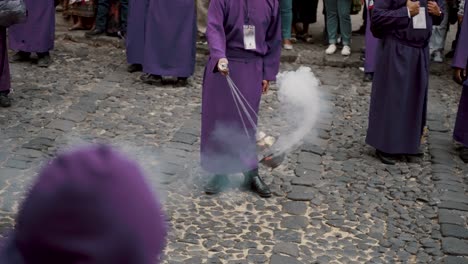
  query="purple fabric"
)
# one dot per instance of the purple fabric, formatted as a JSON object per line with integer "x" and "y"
{"x": 371, "y": 44}
{"x": 225, "y": 146}
{"x": 136, "y": 31}
{"x": 460, "y": 60}
{"x": 37, "y": 33}
{"x": 390, "y": 19}
{"x": 398, "y": 105}
{"x": 4, "y": 65}
{"x": 91, "y": 206}
{"x": 461, "y": 54}
{"x": 460, "y": 133}
{"x": 170, "y": 38}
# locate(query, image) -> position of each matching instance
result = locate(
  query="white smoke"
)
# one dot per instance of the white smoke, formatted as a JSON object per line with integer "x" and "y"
{"x": 300, "y": 105}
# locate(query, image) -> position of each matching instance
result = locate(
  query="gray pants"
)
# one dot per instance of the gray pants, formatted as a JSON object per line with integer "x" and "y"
{"x": 439, "y": 34}
{"x": 202, "y": 12}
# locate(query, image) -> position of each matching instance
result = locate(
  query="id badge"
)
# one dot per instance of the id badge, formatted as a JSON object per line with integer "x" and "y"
{"x": 249, "y": 37}
{"x": 419, "y": 21}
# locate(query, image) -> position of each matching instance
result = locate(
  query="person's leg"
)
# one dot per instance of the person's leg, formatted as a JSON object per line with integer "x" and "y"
{"x": 101, "y": 18}
{"x": 123, "y": 16}
{"x": 286, "y": 20}
{"x": 344, "y": 17}
{"x": 4, "y": 71}
{"x": 344, "y": 9}
{"x": 332, "y": 19}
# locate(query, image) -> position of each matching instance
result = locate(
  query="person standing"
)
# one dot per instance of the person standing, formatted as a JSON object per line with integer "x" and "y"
{"x": 102, "y": 21}
{"x": 135, "y": 41}
{"x": 371, "y": 44}
{"x": 170, "y": 40}
{"x": 286, "y": 23}
{"x": 5, "y": 84}
{"x": 397, "y": 114}
{"x": 244, "y": 38}
{"x": 438, "y": 38}
{"x": 36, "y": 35}
{"x": 338, "y": 12}
{"x": 460, "y": 63}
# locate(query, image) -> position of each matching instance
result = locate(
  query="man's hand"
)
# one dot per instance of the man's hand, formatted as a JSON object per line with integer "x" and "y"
{"x": 223, "y": 66}
{"x": 413, "y": 7}
{"x": 265, "y": 86}
{"x": 433, "y": 8}
{"x": 460, "y": 20}
{"x": 459, "y": 75}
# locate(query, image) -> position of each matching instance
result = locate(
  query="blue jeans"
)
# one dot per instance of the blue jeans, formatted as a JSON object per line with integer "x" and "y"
{"x": 338, "y": 11}
{"x": 286, "y": 18}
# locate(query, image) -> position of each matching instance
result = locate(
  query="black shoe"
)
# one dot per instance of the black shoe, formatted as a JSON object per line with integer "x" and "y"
{"x": 217, "y": 184}
{"x": 151, "y": 79}
{"x": 182, "y": 81}
{"x": 385, "y": 158}
{"x": 21, "y": 56}
{"x": 464, "y": 154}
{"x": 414, "y": 158}
{"x": 43, "y": 60}
{"x": 135, "y": 68}
{"x": 95, "y": 33}
{"x": 360, "y": 31}
{"x": 362, "y": 57}
{"x": 5, "y": 101}
{"x": 368, "y": 77}
{"x": 450, "y": 54}
{"x": 256, "y": 184}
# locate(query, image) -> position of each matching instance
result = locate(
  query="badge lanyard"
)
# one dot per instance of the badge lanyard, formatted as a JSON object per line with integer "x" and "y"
{"x": 249, "y": 30}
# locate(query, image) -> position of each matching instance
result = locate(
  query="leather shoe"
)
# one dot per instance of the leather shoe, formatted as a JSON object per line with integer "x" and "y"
{"x": 95, "y": 33}
{"x": 464, "y": 154}
{"x": 256, "y": 184}
{"x": 21, "y": 56}
{"x": 134, "y": 68}
{"x": 217, "y": 184}
{"x": 5, "y": 101}
{"x": 385, "y": 158}
{"x": 368, "y": 77}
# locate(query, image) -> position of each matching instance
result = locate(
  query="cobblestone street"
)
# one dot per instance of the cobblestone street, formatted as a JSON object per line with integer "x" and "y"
{"x": 333, "y": 202}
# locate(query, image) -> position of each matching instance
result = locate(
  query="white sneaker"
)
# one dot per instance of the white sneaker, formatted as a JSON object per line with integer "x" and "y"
{"x": 288, "y": 46}
{"x": 346, "y": 51}
{"x": 331, "y": 49}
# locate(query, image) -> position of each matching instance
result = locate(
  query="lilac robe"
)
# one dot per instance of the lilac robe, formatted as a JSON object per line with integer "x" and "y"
{"x": 135, "y": 40}
{"x": 399, "y": 91}
{"x": 4, "y": 65}
{"x": 371, "y": 44}
{"x": 170, "y": 38}
{"x": 37, "y": 34}
{"x": 225, "y": 146}
{"x": 460, "y": 61}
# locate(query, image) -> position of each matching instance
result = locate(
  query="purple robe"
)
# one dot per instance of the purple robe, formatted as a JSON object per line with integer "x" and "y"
{"x": 4, "y": 65}
{"x": 38, "y": 32}
{"x": 136, "y": 31}
{"x": 170, "y": 38}
{"x": 226, "y": 146}
{"x": 88, "y": 206}
{"x": 460, "y": 61}
{"x": 371, "y": 44}
{"x": 398, "y": 104}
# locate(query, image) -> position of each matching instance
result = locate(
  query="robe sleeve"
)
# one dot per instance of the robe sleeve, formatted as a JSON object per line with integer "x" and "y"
{"x": 385, "y": 19}
{"x": 271, "y": 59}
{"x": 460, "y": 60}
{"x": 215, "y": 29}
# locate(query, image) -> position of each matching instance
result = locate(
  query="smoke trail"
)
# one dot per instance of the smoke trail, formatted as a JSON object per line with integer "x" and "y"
{"x": 300, "y": 105}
